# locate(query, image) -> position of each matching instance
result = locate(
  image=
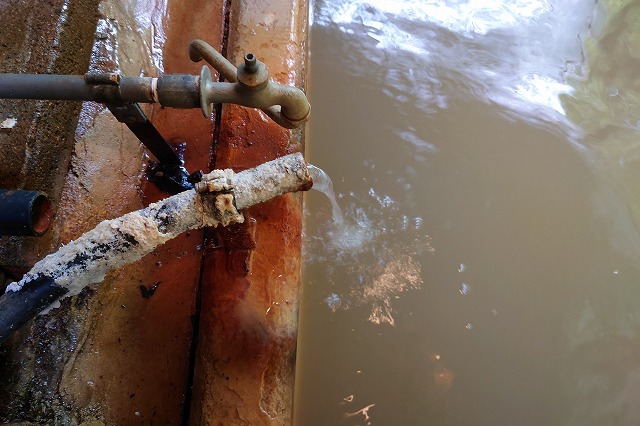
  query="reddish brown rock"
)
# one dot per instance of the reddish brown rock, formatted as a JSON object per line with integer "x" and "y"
{"x": 248, "y": 324}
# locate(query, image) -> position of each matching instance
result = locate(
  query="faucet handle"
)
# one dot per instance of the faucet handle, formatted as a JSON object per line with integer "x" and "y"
{"x": 201, "y": 50}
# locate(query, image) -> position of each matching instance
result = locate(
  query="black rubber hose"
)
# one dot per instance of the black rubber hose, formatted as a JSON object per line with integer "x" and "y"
{"x": 18, "y": 307}
{"x": 24, "y": 213}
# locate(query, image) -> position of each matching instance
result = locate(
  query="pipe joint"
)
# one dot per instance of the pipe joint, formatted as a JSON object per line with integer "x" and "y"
{"x": 253, "y": 75}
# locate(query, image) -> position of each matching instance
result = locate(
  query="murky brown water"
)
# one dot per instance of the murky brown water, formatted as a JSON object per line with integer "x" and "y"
{"x": 485, "y": 157}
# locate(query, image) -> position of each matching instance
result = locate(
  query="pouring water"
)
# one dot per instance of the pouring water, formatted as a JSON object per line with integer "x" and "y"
{"x": 322, "y": 182}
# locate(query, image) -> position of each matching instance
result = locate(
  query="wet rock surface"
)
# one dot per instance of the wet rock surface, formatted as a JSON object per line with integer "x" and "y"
{"x": 111, "y": 355}
{"x": 50, "y": 37}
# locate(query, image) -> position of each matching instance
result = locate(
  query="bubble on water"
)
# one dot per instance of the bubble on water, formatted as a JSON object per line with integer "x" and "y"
{"x": 333, "y": 301}
{"x": 417, "y": 223}
{"x": 404, "y": 222}
{"x": 468, "y": 326}
{"x": 464, "y": 289}
{"x": 384, "y": 201}
{"x": 462, "y": 267}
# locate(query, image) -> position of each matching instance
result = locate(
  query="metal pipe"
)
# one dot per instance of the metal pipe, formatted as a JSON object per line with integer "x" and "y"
{"x": 24, "y": 213}
{"x": 284, "y": 104}
{"x": 90, "y": 87}
{"x": 44, "y": 86}
{"x": 117, "y": 242}
{"x": 248, "y": 85}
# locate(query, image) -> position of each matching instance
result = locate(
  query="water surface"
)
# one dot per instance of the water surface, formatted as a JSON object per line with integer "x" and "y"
{"x": 485, "y": 158}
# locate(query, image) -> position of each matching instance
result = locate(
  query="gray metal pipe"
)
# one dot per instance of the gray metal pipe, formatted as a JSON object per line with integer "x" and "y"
{"x": 78, "y": 88}
{"x": 44, "y": 86}
{"x": 248, "y": 85}
{"x": 287, "y": 106}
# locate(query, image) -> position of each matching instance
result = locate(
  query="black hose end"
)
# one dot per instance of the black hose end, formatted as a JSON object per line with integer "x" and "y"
{"x": 24, "y": 213}
{"x": 18, "y": 307}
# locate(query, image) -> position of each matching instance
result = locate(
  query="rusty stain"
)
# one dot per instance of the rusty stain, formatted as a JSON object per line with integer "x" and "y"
{"x": 162, "y": 325}
{"x": 248, "y": 324}
{"x": 239, "y": 236}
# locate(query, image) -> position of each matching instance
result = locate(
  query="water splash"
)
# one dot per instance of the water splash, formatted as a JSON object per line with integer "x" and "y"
{"x": 378, "y": 252}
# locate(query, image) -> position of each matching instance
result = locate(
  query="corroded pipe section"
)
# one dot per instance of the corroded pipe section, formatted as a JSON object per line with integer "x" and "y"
{"x": 114, "y": 243}
{"x": 90, "y": 87}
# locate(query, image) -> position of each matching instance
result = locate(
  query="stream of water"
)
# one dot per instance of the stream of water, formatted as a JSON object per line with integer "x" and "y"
{"x": 322, "y": 182}
{"x": 485, "y": 156}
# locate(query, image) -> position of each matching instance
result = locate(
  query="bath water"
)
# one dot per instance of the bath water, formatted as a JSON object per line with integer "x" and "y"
{"x": 485, "y": 156}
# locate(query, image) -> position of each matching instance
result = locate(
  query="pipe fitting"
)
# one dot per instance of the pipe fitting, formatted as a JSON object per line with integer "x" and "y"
{"x": 248, "y": 85}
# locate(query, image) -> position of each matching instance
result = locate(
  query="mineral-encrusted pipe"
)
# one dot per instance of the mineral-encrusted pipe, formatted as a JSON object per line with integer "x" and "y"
{"x": 117, "y": 242}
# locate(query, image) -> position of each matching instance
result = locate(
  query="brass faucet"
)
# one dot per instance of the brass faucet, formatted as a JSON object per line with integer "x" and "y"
{"x": 248, "y": 85}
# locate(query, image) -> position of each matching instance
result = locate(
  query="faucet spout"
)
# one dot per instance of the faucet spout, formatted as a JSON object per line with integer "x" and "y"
{"x": 248, "y": 85}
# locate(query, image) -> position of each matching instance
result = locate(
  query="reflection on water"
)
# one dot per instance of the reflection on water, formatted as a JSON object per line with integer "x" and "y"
{"x": 485, "y": 155}
{"x": 423, "y": 49}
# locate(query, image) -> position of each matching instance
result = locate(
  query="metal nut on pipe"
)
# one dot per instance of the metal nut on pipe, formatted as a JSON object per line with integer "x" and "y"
{"x": 179, "y": 90}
